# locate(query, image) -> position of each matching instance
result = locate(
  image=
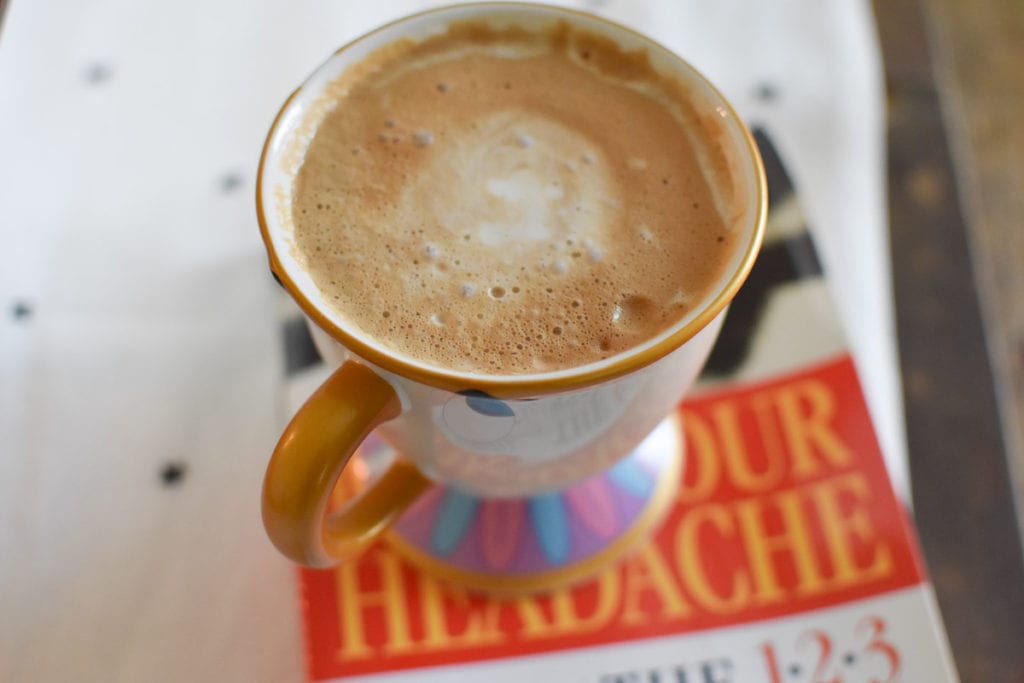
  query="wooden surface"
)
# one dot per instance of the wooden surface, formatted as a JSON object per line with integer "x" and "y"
{"x": 944, "y": 258}
{"x": 978, "y": 53}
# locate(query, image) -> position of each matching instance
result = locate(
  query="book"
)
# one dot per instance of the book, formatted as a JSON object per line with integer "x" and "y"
{"x": 785, "y": 556}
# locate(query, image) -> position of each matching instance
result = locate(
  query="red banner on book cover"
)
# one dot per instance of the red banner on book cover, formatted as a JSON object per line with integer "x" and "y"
{"x": 784, "y": 507}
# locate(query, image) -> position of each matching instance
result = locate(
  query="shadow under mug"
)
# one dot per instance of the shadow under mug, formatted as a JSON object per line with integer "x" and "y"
{"x": 490, "y": 435}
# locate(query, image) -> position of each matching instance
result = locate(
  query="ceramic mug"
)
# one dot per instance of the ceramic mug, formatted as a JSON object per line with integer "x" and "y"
{"x": 490, "y": 435}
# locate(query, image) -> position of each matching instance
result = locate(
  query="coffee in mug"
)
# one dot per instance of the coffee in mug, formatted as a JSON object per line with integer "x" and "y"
{"x": 499, "y": 201}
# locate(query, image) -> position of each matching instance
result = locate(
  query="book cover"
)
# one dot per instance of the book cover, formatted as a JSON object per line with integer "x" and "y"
{"x": 785, "y": 556}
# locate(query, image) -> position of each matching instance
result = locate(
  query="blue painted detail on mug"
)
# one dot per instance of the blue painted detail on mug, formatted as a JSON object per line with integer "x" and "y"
{"x": 551, "y": 526}
{"x": 457, "y": 512}
{"x": 631, "y": 477}
{"x": 484, "y": 404}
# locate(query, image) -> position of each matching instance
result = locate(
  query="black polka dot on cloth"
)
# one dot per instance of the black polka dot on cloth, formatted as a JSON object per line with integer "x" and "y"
{"x": 850, "y": 659}
{"x": 172, "y": 474}
{"x": 98, "y": 73}
{"x": 230, "y": 181}
{"x": 794, "y": 670}
{"x": 21, "y": 311}
{"x": 766, "y": 92}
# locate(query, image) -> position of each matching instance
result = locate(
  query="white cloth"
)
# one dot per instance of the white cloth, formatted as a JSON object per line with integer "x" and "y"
{"x": 138, "y": 322}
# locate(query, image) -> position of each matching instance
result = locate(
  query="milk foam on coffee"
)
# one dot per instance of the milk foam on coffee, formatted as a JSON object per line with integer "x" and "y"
{"x": 505, "y": 202}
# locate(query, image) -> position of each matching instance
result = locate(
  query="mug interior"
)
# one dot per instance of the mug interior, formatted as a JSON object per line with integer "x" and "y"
{"x": 743, "y": 204}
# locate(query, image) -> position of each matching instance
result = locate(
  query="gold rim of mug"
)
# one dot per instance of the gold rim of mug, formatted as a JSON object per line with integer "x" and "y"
{"x": 511, "y": 386}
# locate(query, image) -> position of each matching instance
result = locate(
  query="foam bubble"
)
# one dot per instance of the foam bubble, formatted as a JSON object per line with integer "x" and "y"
{"x": 634, "y": 311}
{"x": 423, "y": 138}
{"x": 680, "y": 299}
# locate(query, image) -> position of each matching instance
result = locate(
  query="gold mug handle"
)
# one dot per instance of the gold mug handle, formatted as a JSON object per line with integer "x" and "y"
{"x": 310, "y": 458}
